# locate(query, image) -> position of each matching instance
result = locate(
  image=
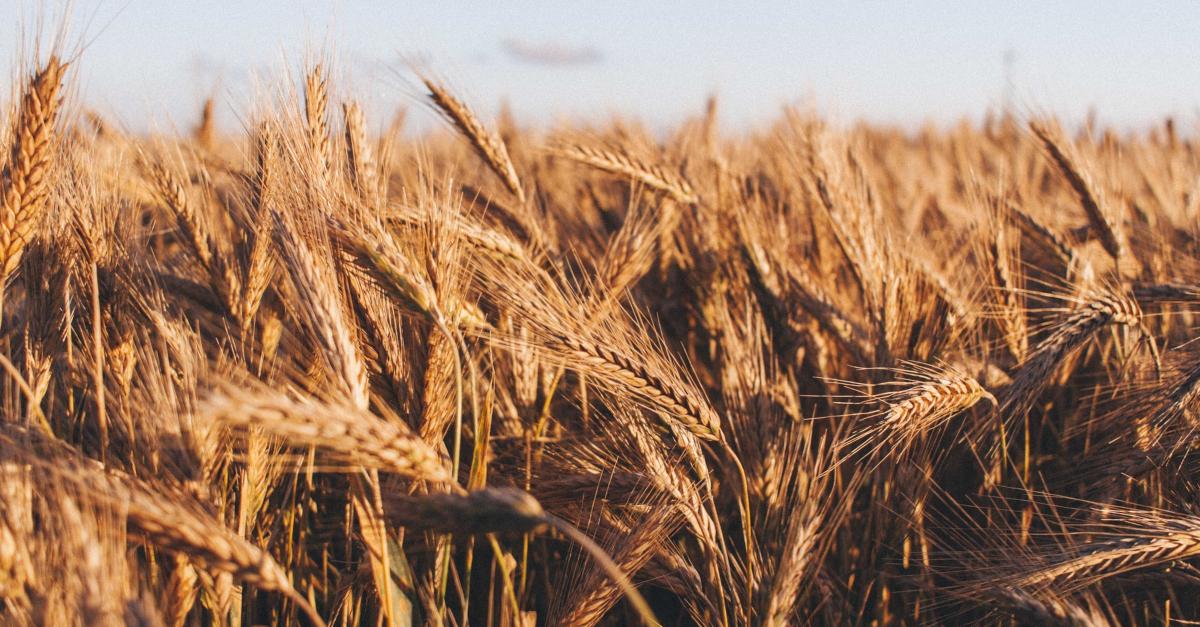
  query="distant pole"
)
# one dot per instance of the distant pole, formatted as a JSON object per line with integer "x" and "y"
{"x": 1010, "y": 85}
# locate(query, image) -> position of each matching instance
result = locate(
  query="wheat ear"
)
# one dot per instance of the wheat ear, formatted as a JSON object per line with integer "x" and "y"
{"x": 205, "y": 131}
{"x": 653, "y": 176}
{"x": 351, "y": 433}
{"x": 26, "y": 176}
{"x": 1107, "y": 229}
{"x": 360, "y": 159}
{"x": 487, "y": 145}
{"x": 316, "y": 106}
{"x": 684, "y": 405}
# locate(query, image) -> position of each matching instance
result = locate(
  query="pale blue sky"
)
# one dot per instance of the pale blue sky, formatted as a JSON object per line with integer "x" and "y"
{"x": 884, "y": 60}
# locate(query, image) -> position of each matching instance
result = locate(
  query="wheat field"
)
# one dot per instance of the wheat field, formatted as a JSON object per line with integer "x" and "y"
{"x": 317, "y": 373}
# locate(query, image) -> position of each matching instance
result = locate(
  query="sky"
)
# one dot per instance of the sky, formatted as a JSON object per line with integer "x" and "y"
{"x": 149, "y": 63}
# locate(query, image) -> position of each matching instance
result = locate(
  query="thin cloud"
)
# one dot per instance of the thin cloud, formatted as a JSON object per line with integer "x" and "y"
{"x": 550, "y": 53}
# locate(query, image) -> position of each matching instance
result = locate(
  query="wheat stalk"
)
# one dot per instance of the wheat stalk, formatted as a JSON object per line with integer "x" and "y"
{"x": 27, "y": 174}
{"x": 1107, "y": 229}
{"x": 1045, "y": 235}
{"x": 633, "y": 376}
{"x": 180, "y": 592}
{"x": 625, "y": 164}
{"x": 922, "y": 399}
{"x": 353, "y": 434}
{"x": 1119, "y": 558}
{"x": 324, "y": 315}
{"x": 360, "y": 159}
{"x": 1009, "y": 286}
{"x": 487, "y": 145}
{"x": 316, "y": 107}
{"x": 596, "y": 593}
{"x": 482, "y": 511}
{"x": 1116, "y": 308}
{"x": 205, "y": 131}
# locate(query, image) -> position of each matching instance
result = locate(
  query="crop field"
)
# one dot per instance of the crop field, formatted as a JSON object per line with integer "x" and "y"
{"x": 310, "y": 370}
